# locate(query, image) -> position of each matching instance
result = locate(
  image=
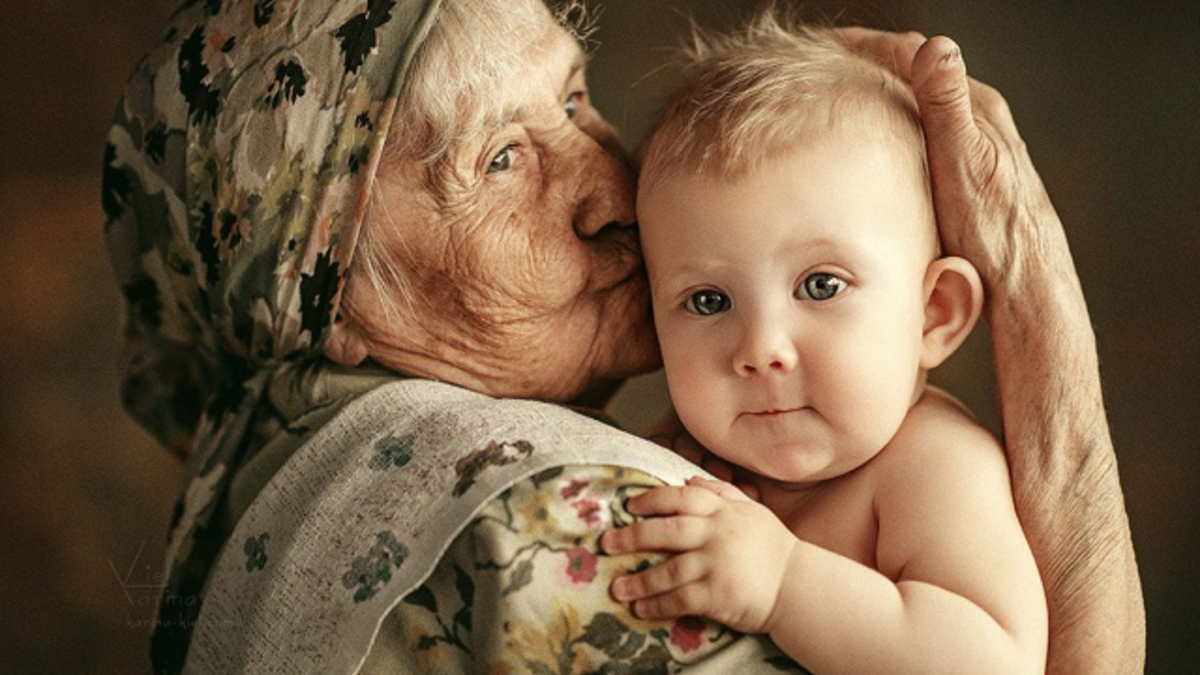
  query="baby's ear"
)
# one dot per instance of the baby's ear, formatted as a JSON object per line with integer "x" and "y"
{"x": 953, "y": 302}
{"x": 346, "y": 345}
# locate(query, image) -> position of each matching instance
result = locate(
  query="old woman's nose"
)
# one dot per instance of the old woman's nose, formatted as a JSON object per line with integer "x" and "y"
{"x": 765, "y": 350}
{"x": 606, "y": 186}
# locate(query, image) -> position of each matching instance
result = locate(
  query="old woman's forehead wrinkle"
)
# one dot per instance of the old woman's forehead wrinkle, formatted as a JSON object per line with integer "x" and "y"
{"x": 534, "y": 100}
{"x": 550, "y": 62}
{"x": 544, "y": 58}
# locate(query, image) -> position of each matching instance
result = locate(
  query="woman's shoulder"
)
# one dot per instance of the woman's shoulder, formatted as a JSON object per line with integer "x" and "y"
{"x": 480, "y": 431}
{"x": 359, "y": 514}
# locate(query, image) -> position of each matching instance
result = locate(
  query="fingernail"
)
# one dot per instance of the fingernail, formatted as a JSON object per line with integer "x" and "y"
{"x": 619, "y": 589}
{"x": 951, "y": 58}
{"x": 608, "y": 542}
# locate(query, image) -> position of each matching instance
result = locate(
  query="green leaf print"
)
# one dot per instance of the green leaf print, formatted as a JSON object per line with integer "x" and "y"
{"x": 369, "y": 573}
{"x": 392, "y": 451}
{"x": 255, "y": 549}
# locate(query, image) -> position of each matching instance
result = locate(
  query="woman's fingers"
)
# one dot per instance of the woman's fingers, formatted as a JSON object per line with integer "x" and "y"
{"x": 963, "y": 120}
{"x": 672, "y": 535}
{"x": 676, "y": 571}
{"x": 943, "y": 95}
{"x": 893, "y": 50}
{"x": 990, "y": 202}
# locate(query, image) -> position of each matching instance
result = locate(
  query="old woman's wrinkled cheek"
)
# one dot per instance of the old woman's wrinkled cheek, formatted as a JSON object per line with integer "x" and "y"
{"x": 472, "y": 266}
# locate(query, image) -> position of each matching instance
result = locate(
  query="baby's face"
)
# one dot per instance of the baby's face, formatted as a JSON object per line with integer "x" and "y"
{"x": 790, "y": 304}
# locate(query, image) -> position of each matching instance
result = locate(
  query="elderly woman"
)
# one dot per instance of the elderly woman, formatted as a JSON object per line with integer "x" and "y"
{"x": 359, "y": 241}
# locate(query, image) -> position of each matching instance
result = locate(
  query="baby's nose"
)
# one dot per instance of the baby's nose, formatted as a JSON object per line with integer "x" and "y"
{"x": 766, "y": 351}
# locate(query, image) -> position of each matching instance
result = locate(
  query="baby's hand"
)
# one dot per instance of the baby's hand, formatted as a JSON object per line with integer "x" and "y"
{"x": 732, "y": 555}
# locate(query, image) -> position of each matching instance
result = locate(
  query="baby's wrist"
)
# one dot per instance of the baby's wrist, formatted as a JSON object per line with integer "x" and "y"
{"x": 788, "y": 593}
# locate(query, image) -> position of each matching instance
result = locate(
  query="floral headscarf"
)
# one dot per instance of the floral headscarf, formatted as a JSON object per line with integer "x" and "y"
{"x": 236, "y": 177}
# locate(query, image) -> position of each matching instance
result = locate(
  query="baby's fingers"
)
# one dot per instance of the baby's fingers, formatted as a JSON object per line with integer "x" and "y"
{"x": 672, "y": 499}
{"x": 675, "y": 534}
{"x": 719, "y": 487}
{"x": 692, "y": 599}
{"x": 675, "y": 572}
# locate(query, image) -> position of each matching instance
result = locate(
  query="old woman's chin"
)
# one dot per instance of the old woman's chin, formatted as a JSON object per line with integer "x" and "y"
{"x": 632, "y": 344}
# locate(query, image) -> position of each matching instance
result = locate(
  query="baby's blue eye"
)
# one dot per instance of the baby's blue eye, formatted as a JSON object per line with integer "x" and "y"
{"x": 707, "y": 302}
{"x": 822, "y": 286}
{"x": 503, "y": 159}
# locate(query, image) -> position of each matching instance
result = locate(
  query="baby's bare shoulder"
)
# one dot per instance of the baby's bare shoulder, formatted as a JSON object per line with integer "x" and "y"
{"x": 941, "y": 440}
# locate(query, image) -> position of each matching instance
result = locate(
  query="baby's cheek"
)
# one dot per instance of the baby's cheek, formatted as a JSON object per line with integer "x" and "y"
{"x": 874, "y": 395}
{"x": 696, "y": 399}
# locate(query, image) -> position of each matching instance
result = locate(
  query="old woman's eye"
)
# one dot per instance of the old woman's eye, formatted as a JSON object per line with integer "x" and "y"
{"x": 503, "y": 159}
{"x": 707, "y": 302}
{"x": 822, "y": 286}
{"x": 571, "y": 105}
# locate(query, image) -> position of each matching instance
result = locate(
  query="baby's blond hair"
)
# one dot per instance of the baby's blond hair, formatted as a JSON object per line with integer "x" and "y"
{"x": 754, "y": 93}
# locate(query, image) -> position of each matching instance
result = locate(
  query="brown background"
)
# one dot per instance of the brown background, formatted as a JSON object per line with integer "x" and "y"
{"x": 1106, "y": 94}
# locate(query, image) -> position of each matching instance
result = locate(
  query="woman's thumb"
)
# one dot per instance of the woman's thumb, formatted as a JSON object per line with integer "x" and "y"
{"x": 939, "y": 81}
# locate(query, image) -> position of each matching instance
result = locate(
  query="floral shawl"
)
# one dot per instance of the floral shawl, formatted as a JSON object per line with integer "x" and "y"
{"x": 430, "y": 529}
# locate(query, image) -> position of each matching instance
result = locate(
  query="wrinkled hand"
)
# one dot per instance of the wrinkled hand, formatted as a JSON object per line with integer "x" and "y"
{"x": 991, "y": 205}
{"x": 670, "y": 433}
{"x": 731, "y": 555}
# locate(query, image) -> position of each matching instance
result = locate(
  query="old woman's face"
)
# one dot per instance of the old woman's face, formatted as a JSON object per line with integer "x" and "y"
{"x": 524, "y": 269}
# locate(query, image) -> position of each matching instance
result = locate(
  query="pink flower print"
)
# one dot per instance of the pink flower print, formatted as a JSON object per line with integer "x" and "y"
{"x": 688, "y": 633}
{"x": 588, "y": 510}
{"x": 574, "y": 488}
{"x": 581, "y": 565}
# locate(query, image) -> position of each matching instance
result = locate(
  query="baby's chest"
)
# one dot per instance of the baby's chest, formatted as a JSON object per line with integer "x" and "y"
{"x": 841, "y": 520}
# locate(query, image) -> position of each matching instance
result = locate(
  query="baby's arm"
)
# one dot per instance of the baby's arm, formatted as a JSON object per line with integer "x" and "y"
{"x": 957, "y": 589}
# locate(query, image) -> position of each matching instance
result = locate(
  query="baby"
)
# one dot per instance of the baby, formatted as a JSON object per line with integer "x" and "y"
{"x": 800, "y": 299}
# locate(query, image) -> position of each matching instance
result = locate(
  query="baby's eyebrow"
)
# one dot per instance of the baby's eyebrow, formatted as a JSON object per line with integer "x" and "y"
{"x": 690, "y": 268}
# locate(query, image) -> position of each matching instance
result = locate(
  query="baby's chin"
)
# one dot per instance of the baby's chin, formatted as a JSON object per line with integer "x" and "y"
{"x": 799, "y": 465}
